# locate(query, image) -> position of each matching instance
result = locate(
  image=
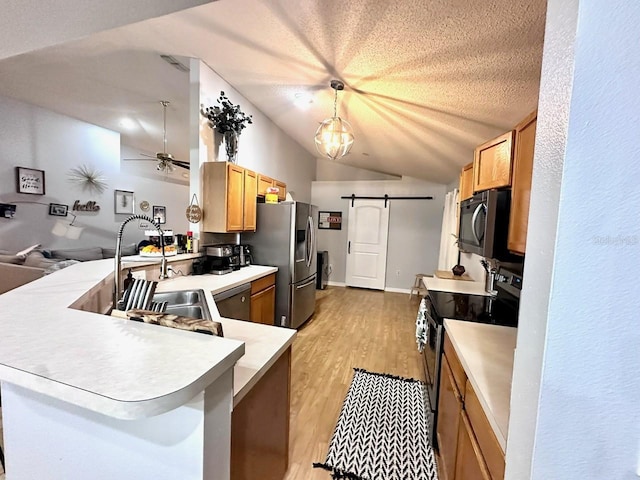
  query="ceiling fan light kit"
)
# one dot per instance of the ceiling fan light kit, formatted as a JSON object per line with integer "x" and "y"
{"x": 334, "y": 137}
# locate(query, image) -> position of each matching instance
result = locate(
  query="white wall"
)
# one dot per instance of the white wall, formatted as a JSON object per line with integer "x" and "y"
{"x": 37, "y": 138}
{"x": 579, "y": 332}
{"x": 414, "y": 226}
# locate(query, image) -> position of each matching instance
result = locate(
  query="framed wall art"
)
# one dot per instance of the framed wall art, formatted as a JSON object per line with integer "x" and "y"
{"x": 330, "y": 220}
{"x": 58, "y": 210}
{"x": 30, "y": 180}
{"x": 124, "y": 202}
{"x": 160, "y": 214}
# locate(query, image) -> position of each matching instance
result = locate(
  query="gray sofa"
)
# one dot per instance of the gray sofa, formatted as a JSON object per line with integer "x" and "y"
{"x": 16, "y": 270}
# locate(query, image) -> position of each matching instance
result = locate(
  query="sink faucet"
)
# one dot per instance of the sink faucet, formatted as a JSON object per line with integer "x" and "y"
{"x": 118, "y": 257}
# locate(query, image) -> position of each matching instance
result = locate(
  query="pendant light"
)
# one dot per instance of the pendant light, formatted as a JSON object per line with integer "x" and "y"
{"x": 334, "y": 136}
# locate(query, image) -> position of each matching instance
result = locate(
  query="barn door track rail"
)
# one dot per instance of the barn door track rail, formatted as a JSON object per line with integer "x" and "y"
{"x": 386, "y": 198}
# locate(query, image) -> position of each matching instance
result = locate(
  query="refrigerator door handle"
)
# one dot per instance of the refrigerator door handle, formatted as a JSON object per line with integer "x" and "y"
{"x": 309, "y": 247}
{"x": 298, "y": 287}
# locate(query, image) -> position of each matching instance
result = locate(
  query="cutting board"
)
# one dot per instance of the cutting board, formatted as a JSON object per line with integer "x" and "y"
{"x": 448, "y": 275}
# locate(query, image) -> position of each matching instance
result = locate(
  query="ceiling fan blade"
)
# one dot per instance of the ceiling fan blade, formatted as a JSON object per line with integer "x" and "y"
{"x": 140, "y": 159}
{"x": 181, "y": 163}
{"x": 150, "y": 156}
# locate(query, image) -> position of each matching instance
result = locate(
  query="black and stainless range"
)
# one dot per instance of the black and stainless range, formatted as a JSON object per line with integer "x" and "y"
{"x": 501, "y": 309}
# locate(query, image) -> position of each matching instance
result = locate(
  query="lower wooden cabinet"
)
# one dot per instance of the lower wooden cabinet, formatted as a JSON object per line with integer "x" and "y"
{"x": 470, "y": 464}
{"x": 468, "y": 447}
{"x": 263, "y": 300}
{"x": 449, "y": 410}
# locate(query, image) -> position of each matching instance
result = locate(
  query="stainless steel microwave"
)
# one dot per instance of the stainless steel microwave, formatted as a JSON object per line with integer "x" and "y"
{"x": 484, "y": 224}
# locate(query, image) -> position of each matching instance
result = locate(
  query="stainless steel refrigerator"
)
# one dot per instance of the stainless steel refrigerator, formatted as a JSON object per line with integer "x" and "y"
{"x": 285, "y": 237}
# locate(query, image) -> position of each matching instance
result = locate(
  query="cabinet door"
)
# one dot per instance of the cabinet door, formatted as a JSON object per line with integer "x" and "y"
{"x": 264, "y": 182}
{"x": 469, "y": 462}
{"x": 263, "y": 306}
{"x": 521, "y": 190}
{"x": 492, "y": 163}
{"x": 282, "y": 190}
{"x": 235, "y": 198}
{"x": 466, "y": 182}
{"x": 250, "y": 190}
{"x": 449, "y": 409}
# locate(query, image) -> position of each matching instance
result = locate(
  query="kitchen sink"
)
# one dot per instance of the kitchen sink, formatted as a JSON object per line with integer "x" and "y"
{"x": 185, "y": 297}
{"x": 186, "y": 303}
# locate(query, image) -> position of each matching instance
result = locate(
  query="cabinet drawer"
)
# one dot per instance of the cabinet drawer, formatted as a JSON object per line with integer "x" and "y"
{"x": 456, "y": 367}
{"x": 491, "y": 450}
{"x": 262, "y": 283}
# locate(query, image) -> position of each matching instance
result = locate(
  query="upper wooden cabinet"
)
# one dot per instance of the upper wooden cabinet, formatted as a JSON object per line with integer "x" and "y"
{"x": 525, "y": 136}
{"x": 265, "y": 182}
{"x": 229, "y": 200}
{"x": 492, "y": 163}
{"x": 466, "y": 182}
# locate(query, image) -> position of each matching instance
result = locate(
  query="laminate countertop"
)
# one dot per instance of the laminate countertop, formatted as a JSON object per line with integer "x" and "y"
{"x": 486, "y": 353}
{"x": 117, "y": 367}
{"x": 454, "y": 286}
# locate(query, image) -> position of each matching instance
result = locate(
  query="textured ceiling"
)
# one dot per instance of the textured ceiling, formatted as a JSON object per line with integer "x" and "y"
{"x": 426, "y": 81}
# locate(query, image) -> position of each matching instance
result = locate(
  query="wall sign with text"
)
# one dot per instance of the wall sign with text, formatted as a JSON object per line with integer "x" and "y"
{"x": 330, "y": 220}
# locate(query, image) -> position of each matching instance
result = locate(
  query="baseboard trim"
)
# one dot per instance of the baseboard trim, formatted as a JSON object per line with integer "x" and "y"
{"x": 336, "y": 284}
{"x": 397, "y": 290}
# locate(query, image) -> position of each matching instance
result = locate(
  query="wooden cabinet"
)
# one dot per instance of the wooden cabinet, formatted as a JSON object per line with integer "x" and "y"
{"x": 265, "y": 182}
{"x": 263, "y": 300}
{"x": 466, "y": 182}
{"x": 492, "y": 163}
{"x": 468, "y": 447}
{"x": 525, "y": 136}
{"x": 229, "y": 202}
{"x": 469, "y": 462}
{"x": 449, "y": 409}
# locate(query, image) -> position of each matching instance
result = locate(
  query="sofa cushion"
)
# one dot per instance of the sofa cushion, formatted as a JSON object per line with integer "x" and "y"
{"x": 14, "y": 259}
{"x": 126, "y": 250}
{"x": 81, "y": 254}
{"x": 59, "y": 266}
{"x": 37, "y": 259}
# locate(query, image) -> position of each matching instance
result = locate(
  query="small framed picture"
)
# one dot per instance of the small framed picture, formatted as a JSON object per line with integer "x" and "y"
{"x": 58, "y": 210}
{"x": 124, "y": 202}
{"x": 30, "y": 180}
{"x": 160, "y": 214}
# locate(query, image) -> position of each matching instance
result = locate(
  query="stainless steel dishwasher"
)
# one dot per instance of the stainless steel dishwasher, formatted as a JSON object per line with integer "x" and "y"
{"x": 235, "y": 302}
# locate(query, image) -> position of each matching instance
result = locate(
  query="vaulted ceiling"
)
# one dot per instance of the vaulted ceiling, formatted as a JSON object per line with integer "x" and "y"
{"x": 426, "y": 81}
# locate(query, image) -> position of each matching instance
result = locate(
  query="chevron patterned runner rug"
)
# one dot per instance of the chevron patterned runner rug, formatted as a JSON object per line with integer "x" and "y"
{"x": 382, "y": 431}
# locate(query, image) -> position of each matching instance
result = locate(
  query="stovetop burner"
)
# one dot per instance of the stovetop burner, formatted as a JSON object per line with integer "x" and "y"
{"x": 470, "y": 308}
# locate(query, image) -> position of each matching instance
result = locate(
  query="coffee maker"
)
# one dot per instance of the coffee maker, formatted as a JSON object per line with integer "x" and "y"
{"x": 222, "y": 259}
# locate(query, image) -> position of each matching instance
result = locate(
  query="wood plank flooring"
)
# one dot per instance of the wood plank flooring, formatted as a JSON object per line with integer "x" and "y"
{"x": 351, "y": 328}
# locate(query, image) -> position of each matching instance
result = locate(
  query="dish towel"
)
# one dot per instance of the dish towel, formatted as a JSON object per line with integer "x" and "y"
{"x": 422, "y": 327}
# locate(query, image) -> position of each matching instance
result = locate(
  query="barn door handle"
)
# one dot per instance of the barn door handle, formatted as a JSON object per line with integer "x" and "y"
{"x": 349, "y": 247}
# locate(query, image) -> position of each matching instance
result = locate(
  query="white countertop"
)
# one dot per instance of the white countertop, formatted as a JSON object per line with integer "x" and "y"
{"x": 264, "y": 344}
{"x": 116, "y": 367}
{"x": 455, "y": 286}
{"x": 486, "y": 353}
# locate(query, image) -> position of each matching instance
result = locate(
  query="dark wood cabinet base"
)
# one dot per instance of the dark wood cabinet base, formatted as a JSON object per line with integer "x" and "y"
{"x": 260, "y": 426}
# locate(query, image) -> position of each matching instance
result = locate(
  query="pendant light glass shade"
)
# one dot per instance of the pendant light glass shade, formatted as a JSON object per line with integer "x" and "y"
{"x": 334, "y": 137}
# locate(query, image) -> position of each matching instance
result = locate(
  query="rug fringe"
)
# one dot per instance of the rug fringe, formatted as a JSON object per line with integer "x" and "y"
{"x": 388, "y": 375}
{"x": 338, "y": 474}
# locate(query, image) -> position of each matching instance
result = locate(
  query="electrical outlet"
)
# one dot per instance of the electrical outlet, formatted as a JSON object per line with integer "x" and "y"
{"x": 141, "y": 274}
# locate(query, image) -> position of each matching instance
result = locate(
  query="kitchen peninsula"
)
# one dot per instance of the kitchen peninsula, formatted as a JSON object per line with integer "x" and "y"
{"x": 121, "y": 399}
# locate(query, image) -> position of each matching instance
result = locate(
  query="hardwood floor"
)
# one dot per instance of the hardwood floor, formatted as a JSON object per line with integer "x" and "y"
{"x": 351, "y": 328}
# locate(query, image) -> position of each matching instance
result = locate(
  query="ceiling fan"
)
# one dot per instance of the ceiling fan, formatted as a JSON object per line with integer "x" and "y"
{"x": 166, "y": 162}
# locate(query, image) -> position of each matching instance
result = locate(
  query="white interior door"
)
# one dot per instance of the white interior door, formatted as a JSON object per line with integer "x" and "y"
{"x": 368, "y": 230}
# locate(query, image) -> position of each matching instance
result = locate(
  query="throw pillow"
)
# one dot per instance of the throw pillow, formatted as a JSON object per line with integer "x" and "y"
{"x": 37, "y": 259}
{"x": 59, "y": 266}
{"x": 13, "y": 259}
{"x": 26, "y": 251}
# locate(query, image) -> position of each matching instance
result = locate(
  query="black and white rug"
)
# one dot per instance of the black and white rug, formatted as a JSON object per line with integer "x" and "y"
{"x": 382, "y": 431}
